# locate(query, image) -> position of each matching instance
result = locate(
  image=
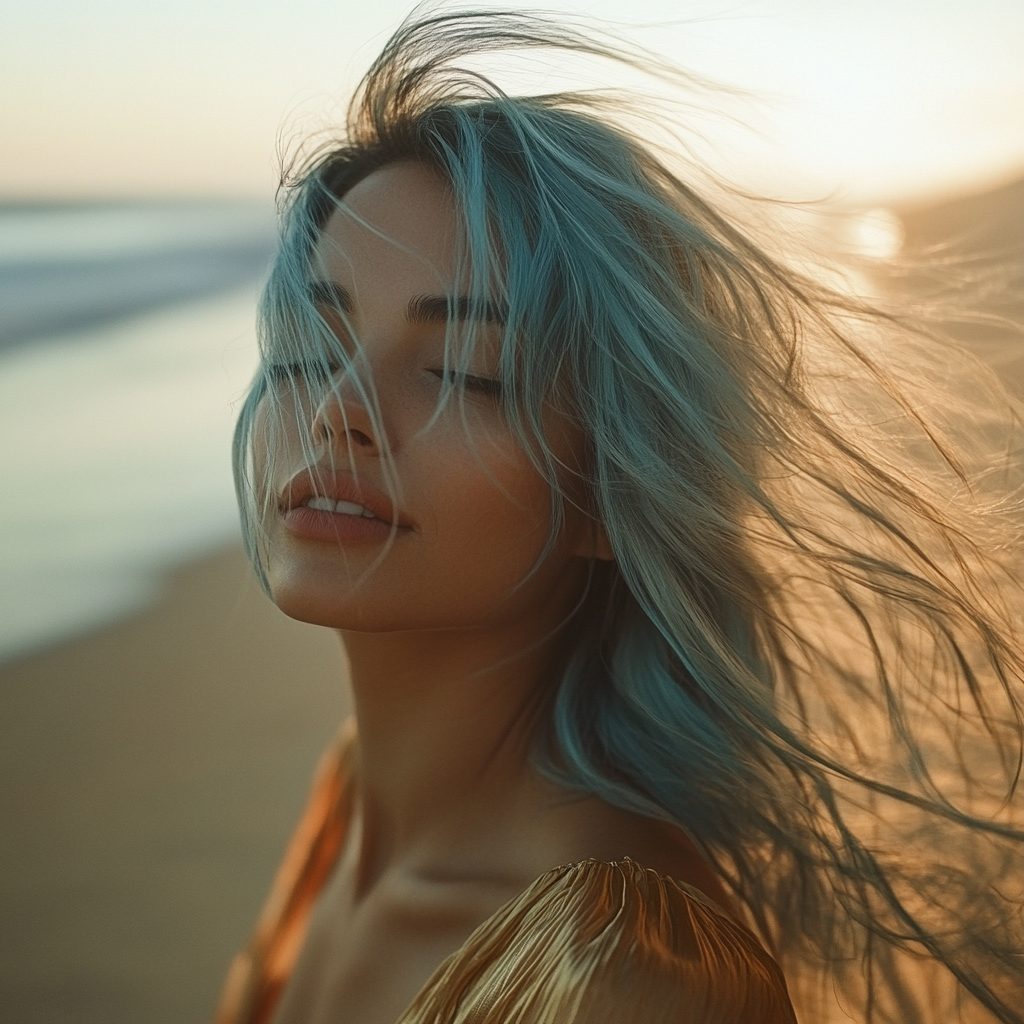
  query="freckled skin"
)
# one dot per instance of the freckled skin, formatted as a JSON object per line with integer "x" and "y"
{"x": 450, "y": 640}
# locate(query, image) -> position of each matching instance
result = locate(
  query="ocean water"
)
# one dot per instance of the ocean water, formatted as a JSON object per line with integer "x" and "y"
{"x": 126, "y": 342}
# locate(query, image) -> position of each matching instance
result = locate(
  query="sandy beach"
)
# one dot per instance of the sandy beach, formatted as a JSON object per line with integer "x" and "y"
{"x": 150, "y": 774}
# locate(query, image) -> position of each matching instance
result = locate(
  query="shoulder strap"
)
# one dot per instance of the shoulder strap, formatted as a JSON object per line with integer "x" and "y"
{"x": 258, "y": 974}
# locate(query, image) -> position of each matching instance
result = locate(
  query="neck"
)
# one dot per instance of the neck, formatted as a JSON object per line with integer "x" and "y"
{"x": 446, "y": 721}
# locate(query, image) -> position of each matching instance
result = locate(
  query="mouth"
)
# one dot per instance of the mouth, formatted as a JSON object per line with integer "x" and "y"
{"x": 331, "y": 506}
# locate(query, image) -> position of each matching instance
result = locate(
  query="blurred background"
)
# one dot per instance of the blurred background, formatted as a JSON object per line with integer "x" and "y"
{"x": 158, "y": 718}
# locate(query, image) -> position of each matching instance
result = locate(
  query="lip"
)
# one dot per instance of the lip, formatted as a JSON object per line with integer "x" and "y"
{"x": 330, "y": 526}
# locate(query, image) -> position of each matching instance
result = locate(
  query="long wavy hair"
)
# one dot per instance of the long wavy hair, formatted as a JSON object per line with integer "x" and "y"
{"x": 807, "y": 652}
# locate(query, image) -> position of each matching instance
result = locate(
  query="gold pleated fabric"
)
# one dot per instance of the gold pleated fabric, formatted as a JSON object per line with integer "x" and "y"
{"x": 587, "y": 943}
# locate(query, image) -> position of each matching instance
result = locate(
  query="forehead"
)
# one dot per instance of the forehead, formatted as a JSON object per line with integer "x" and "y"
{"x": 398, "y": 225}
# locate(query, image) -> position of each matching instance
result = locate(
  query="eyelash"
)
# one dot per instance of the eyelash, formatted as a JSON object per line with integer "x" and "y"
{"x": 292, "y": 371}
{"x": 468, "y": 381}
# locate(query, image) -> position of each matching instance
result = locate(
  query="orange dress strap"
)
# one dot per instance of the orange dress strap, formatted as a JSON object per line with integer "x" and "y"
{"x": 259, "y": 973}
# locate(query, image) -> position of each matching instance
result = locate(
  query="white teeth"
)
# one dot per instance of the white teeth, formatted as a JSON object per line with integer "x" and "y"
{"x": 349, "y": 508}
{"x": 346, "y": 508}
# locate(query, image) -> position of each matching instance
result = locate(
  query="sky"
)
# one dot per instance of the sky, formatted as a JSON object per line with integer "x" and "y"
{"x": 873, "y": 102}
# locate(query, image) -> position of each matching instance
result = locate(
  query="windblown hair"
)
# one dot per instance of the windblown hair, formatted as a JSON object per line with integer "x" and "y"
{"x": 808, "y": 651}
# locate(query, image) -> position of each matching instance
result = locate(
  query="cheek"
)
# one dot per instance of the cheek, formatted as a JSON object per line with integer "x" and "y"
{"x": 492, "y": 499}
{"x": 484, "y": 516}
{"x": 495, "y": 507}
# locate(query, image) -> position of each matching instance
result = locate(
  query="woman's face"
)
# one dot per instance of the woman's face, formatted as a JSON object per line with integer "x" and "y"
{"x": 472, "y": 514}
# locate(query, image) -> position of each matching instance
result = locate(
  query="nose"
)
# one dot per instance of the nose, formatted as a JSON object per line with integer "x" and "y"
{"x": 342, "y": 419}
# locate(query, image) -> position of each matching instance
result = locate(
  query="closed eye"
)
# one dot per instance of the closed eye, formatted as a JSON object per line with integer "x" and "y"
{"x": 311, "y": 372}
{"x": 470, "y": 382}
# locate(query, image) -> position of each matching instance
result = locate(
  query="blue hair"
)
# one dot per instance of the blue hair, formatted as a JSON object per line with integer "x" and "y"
{"x": 804, "y": 653}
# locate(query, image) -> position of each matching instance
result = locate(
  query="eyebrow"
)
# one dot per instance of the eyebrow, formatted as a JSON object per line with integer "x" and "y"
{"x": 438, "y": 309}
{"x": 327, "y": 293}
{"x": 423, "y": 309}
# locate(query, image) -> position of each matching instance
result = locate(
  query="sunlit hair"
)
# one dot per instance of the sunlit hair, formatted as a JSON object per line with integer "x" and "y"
{"x": 808, "y": 651}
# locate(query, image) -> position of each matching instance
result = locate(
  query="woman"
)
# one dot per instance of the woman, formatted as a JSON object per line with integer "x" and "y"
{"x": 673, "y": 588}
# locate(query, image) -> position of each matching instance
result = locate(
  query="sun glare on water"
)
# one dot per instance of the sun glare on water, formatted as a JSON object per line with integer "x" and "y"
{"x": 877, "y": 234}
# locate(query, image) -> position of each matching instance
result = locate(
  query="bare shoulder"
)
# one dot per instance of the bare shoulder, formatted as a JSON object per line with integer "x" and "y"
{"x": 598, "y": 831}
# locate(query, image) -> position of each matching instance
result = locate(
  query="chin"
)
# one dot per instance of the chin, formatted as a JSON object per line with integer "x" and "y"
{"x": 330, "y": 609}
{"x": 353, "y": 611}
